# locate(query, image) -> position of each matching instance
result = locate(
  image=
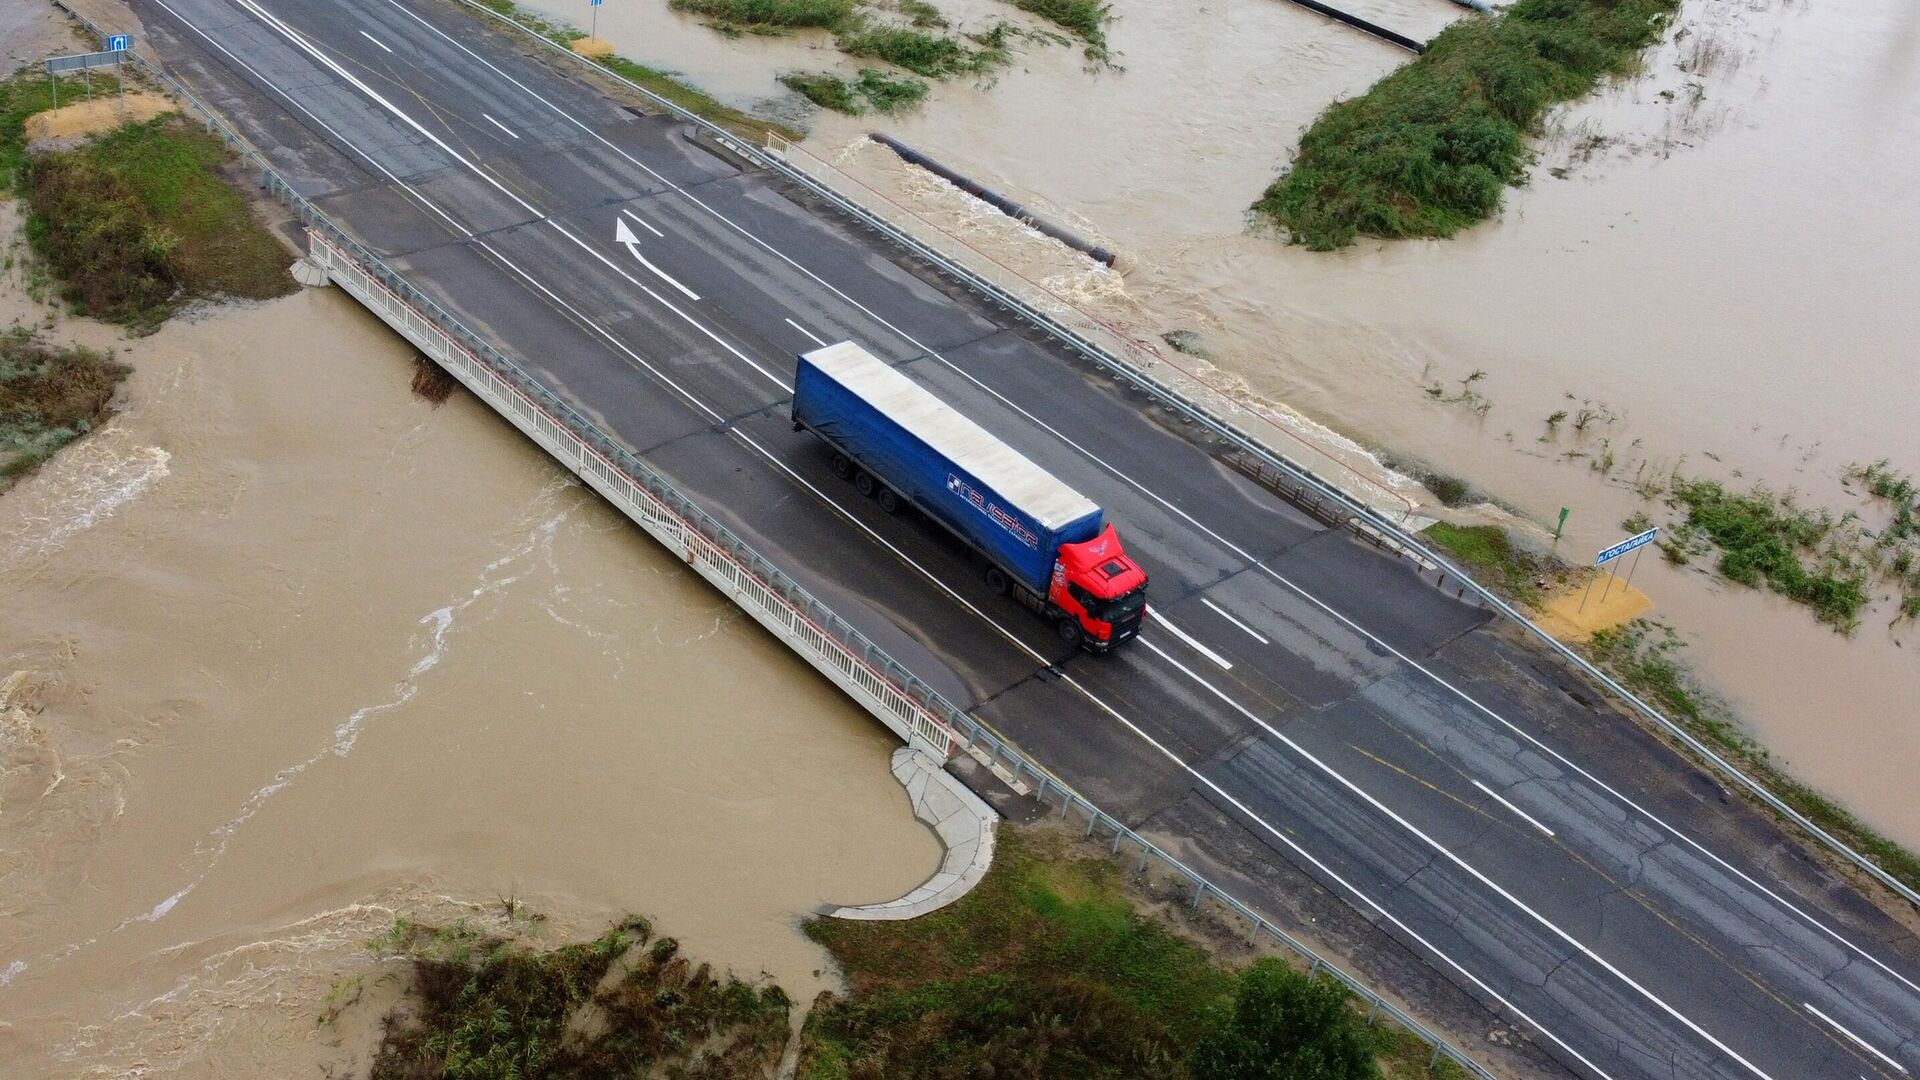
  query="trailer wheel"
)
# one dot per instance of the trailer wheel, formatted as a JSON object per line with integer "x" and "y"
{"x": 1069, "y": 630}
{"x": 997, "y": 581}
{"x": 842, "y": 466}
{"x": 889, "y": 502}
{"x": 864, "y": 483}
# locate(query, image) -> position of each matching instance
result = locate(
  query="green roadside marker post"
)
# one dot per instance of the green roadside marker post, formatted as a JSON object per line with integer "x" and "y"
{"x": 1562, "y": 525}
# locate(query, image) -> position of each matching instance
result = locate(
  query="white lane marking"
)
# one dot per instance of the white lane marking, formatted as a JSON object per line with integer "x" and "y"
{"x": 375, "y": 40}
{"x": 1225, "y": 664}
{"x": 1503, "y": 802}
{"x": 1222, "y": 612}
{"x": 1864, "y": 1044}
{"x": 1464, "y": 865}
{"x": 810, "y": 334}
{"x": 314, "y": 51}
{"x": 624, "y": 235}
{"x": 643, "y": 223}
{"x": 904, "y": 558}
{"x": 501, "y": 126}
{"x": 1326, "y": 870}
{"x": 1296, "y": 588}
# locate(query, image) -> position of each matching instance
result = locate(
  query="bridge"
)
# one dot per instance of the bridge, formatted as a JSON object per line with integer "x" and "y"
{"x": 1308, "y": 723}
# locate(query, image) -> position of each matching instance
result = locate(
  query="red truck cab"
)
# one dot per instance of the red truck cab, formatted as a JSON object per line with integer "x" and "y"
{"x": 1102, "y": 591}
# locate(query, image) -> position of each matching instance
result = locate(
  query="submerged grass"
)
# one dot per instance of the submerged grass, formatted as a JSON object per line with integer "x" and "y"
{"x": 935, "y": 56}
{"x": 1428, "y": 150}
{"x": 872, "y": 91}
{"x": 483, "y": 1007}
{"x": 49, "y": 396}
{"x": 1765, "y": 539}
{"x": 776, "y": 13}
{"x": 1048, "y": 969}
{"x": 1084, "y": 19}
{"x": 138, "y": 221}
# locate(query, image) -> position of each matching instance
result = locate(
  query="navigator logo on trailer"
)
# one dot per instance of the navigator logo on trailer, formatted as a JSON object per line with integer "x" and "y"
{"x": 1000, "y": 517}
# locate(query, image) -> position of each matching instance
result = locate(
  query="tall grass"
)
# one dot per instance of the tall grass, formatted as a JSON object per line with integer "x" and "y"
{"x": 49, "y": 396}
{"x": 1085, "y": 19}
{"x": 872, "y": 90}
{"x": 139, "y": 221}
{"x": 1430, "y": 148}
{"x": 778, "y": 13}
{"x": 935, "y": 56}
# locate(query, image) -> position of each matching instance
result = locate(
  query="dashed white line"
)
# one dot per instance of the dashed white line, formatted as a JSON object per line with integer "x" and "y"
{"x": 1308, "y": 596}
{"x": 1222, "y": 612}
{"x": 501, "y": 126}
{"x": 1863, "y": 1044}
{"x": 881, "y": 320}
{"x": 375, "y": 40}
{"x": 643, "y": 223}
{"x": 1225, "y": 664}
{"x": 1503, "y": 802}
{"x": 1466, "y": 867}
{"x": 810, "y": 334}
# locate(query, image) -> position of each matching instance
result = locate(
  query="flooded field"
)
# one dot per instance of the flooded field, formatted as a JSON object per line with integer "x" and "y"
{"x": 1711, "y": 253}
{"x": 288, "y": 651}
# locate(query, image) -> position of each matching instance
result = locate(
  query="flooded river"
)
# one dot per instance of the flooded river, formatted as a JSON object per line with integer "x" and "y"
{"x": 1716, "y": 254}
{"x": 299, "y": 652}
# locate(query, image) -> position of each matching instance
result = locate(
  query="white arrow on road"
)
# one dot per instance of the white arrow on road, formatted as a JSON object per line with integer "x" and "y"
{"x": 624, "y": 235}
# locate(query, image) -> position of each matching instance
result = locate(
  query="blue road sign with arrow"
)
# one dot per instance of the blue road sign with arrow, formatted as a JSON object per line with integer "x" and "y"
{"x": 120, "y": 43}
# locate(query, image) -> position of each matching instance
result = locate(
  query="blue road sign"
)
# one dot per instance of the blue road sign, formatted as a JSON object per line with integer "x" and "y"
{"x": 1625, "y": 546}
{"x": 120, "y": 43}
{"x": 594, "y": 3}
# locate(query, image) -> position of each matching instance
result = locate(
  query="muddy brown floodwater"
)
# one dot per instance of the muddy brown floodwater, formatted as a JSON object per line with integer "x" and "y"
{"x": 1723, "y": 261}
{"x": 306, "y": 653}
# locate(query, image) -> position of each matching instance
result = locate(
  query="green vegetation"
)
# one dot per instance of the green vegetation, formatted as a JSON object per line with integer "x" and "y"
{"x": 1491, "y": 553}
{"x": 1428, "y": 150}
{"x": 20, "y": 97}
{"x": 138, "y": 222}
{"x": 1643, "y": 655}
{"x": 1764, "y": 538}
{"x": 921, "y": 13}
{"x": 688, "y": 97}
{"x": 1047, "y": 969}
{"x": 48, "y": 398}
{"x": 935, "y": 56}
{"x": 784, "y": 14}
{"x": 1085, "y": 19}
{"x": 873, "y": 90}
{"x": 482, "y": 1007}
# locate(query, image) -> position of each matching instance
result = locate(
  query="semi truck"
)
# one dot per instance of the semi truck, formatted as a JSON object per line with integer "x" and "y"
{"x": 1042, "y": 542}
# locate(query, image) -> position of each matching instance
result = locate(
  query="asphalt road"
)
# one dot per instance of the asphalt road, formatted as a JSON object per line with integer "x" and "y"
{"x": 1302, "y": 716}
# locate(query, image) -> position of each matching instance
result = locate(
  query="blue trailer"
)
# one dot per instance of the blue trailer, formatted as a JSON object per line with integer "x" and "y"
{"x": 1044, "y": 542}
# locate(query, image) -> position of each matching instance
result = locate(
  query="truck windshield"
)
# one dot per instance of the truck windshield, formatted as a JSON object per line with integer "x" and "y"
{"x": 1121, "y": 608}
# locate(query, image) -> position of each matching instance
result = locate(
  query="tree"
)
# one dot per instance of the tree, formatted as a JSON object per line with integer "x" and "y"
{"x": 1287, "y": 1026}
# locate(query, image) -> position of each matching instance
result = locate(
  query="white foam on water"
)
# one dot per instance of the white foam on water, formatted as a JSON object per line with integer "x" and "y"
{"x": 88, "y": 483}
{"x": 12, "y": 971}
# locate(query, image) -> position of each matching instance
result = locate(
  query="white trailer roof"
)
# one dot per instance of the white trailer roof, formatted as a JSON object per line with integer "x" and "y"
{"x": 1034, "y": 490}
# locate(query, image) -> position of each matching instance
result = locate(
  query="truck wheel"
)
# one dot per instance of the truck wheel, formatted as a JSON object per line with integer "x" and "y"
{"x": 889, "y": 502}
{"x": 1069, "y": 630}
{"x": 997, "y": 581}
{"x": 864, "y": 483}
{"x": 843, "y": 466}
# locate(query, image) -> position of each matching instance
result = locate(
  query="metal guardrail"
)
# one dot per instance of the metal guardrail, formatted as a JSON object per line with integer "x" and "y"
{"x": 1303, "y": 479}
{"x": 601, "y": 457}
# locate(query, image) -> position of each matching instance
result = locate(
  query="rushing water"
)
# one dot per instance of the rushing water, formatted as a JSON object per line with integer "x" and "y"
{"x": 299, "y": 652}
{"x": 1723, "y": 262}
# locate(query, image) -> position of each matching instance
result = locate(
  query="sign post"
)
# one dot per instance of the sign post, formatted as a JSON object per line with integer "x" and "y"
{"x": 593, "y": 28}
{"x": 120, "y": 43}
{"x": 1607, "y": 555}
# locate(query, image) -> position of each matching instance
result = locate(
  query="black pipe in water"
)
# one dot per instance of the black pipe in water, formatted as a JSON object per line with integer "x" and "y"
{"x": 994, "y": 199}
